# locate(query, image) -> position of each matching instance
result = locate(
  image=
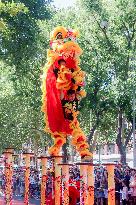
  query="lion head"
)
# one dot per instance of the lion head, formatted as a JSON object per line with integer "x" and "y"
{"x": 63, "y": 42}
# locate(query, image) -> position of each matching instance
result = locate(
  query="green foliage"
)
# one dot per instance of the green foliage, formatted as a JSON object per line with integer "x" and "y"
{"x": 21, "y": 44}
{"x": 113, "y": 35}
{"x": 22, "y": 52}
{"x": 11, "y": 9}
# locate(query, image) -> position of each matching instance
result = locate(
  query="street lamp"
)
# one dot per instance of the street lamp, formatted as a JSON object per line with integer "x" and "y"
{"x": 104, "y": 24}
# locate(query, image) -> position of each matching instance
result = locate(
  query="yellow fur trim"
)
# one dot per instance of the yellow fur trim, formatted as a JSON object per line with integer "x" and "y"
{"x": 59, "y": 29}
{"x": 69, "y": 46}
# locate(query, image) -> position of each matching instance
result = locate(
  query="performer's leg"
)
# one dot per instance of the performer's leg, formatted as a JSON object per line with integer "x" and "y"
{"x": 59, "y": 140}
{"x": 79, "y": 140}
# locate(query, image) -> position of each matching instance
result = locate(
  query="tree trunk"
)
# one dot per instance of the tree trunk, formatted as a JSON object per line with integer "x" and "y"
{"x": 122, "y": 148}
{"x": 93, "y": 144}
{"x": 123, "y": 155}
{"x": 92, "y": 131}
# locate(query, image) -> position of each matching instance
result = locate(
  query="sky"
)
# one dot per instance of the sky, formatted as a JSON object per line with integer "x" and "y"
{"x": 64, "y": 3}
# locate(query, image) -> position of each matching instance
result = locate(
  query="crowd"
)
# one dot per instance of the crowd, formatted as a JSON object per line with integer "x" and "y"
{"x": 125, "y": 185}
{"x": 18, "y": 183}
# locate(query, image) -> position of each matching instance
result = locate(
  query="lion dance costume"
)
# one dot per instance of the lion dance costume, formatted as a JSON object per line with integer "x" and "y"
{"x": 63, "y": 82}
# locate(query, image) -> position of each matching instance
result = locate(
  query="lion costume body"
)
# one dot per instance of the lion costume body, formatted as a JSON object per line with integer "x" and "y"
{"x": 62, "y": 88}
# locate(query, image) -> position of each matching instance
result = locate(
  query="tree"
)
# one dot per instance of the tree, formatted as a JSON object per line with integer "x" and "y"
{"x": 22, "y": 53}
{"x": 22, "y": 44}
{"x": 117, "y": 32}
{"x": 11, "y": 9}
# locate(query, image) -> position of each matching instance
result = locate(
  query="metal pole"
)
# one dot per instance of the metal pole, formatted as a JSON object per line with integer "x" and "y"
{"x": 134, "y": 115}
{"x": 134, "y": 121}
{"x": 99, "y": 154}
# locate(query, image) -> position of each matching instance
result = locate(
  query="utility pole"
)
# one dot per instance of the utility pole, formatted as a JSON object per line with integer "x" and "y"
{"x": 99, "y": 154}
{"x": 134, "y": 119}
{"x": 134, "y": 134}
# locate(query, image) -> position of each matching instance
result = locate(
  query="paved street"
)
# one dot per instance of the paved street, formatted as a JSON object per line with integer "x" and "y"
{"x": 19, "y": 201}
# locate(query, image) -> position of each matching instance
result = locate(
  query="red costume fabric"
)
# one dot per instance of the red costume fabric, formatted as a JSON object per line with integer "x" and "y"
{"x": 74, "y": 194}
{"x": 56, "y": 119}
{"x": 49, "y": 200}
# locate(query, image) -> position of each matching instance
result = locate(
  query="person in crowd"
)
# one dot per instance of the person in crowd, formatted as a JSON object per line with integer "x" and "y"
{"x": 124, "y": 192}
{"x": 105, "y": 186}
{"x": 133, "y": 187}
{"x": 32, "y": 184}
{"x": 127, "y": 176}
{"x": 97, "y": 186}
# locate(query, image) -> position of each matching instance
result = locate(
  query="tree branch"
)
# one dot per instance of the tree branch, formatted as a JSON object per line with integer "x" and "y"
{"x": 118, "y": 141}
{"x": 127, "y": 30}
{"x": 105, "y": 34}
{"x": 93, "y": 130}
{"x": 129, "y": 37}
{"x": 134, "y": 30}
